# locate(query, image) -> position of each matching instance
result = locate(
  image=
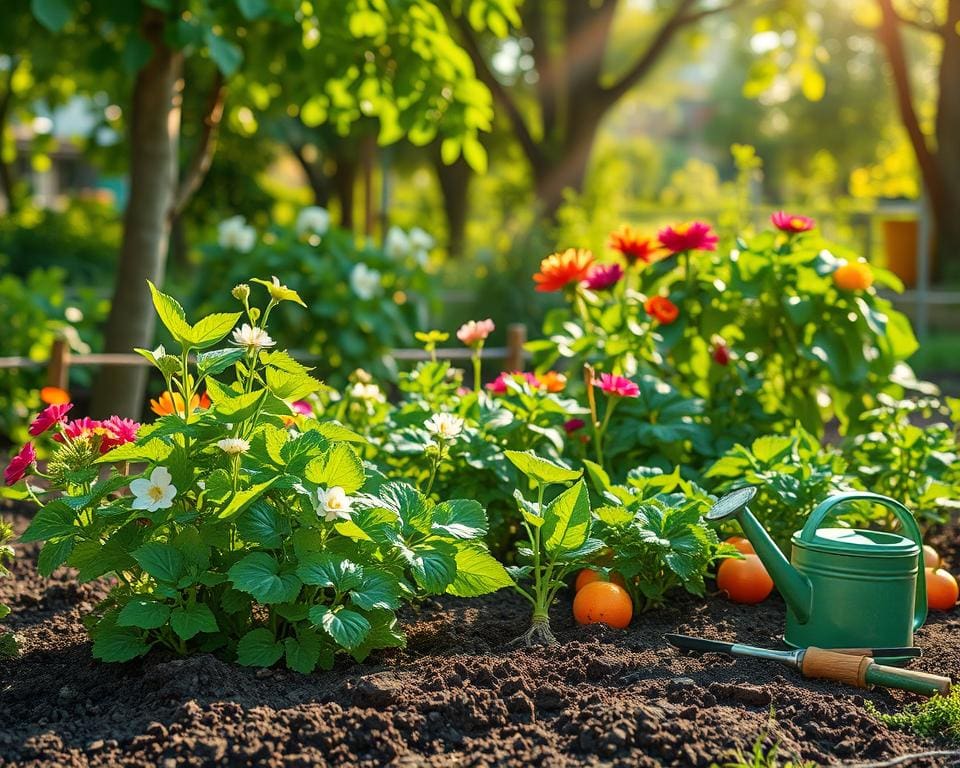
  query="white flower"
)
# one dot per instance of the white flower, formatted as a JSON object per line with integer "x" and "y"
{"x": 364, "y": 281}
{"x": 234, "y": 233}
{"x": 155, "y": 493}
{"x": 370, "y": 392}
{"x": 420, "y": 240}
{"x": 233, "y": 445}
{"x": 252, "y": 337}
{"x": 333, "y": 503}
{"x": 444, "y": 426}
{"x": 397, "y": 243}
{"x": 312, "y": 220}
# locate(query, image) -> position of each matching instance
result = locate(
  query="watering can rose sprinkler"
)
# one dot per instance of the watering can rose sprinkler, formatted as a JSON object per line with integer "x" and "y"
{"x": 844, "y": 588}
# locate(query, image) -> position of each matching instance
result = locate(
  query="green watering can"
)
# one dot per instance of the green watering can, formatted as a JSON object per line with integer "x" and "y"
{"x": 844, "y": 588}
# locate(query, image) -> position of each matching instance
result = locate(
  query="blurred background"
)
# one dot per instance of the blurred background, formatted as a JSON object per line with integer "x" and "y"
{"x": 450, "y": 146}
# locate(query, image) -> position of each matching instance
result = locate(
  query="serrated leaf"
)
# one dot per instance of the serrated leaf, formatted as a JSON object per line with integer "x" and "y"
{"x": 259, "y": 574}
{"x": 567, "y": 520}
{"x": 144, "y": 613}
{"x": 303, "y": 652}
{"x": 119, "y": 644}
{"x": 243, "y": 499}
{"x": 341, "y": 466}
{"x": 460, "y": 518}
{"x": 259, "y": 648}
{"x": 478, "y": 573}
{"x": 54, "y": 521}
{"x": 217, "y": 361}
{"x": 261, "y": 523}
{"x": 152, "y": 451}
{"x": 213, "y": 328}
{"x": 162, "y": 561}
{"x": 541, "y": 470}
{"x": 171, "y": 314}
{"x": 347, "y": 627}
{"x": 376, "y": 591}
{"x": 433, "y": 567}
{"x": 240, "y": 407}
{"x": 190, "y": 620}
{"x": 53, "y": 555}
{"x": 322, "y": 569}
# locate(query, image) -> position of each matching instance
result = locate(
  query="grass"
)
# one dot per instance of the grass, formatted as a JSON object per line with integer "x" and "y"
{"x": 936, "y": 717}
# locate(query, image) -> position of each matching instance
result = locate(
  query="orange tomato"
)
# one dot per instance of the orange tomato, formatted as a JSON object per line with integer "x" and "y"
{"x": 602, "y": 602}
{"x": 854, "y": 276}
{"x": 744, "y": 547}
{"x": 588, "y": 576}
{"x": 931, "y": 558}
{"x": 744, "y": 581}
{"x": 942, "y": 589}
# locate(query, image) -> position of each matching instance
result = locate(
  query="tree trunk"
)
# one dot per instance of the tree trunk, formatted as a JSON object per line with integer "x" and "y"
{"x": 316, "y": 178}
{"x": 946, "y": 211}
{"x": 568, "y": 170}
{"x": 344, "y": 184}
{"x": 454, "y": 185}
{"x": 154, "y": 138}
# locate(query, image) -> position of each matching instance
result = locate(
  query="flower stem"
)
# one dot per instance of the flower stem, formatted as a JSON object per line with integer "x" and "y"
{"x": 476, "y": 366}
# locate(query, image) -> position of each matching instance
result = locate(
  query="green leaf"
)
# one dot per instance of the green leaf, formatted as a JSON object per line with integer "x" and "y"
{"x": 213, "y": 328}
{"x": 240, "y": 407}
{"x": 567, "y": 520}
{"x": 53, "y": 14}
{"x": 322, "y": 569}
{"x": 55, "y": 520}
{"x": 259, "y": 648}
{"x": 341, "y": 466}
{"x": 376, "y": 590}
{"x": 252, "y": 9}
{"x": 460, "y": 518}
{"x": 347, "y": 627}
{"x": 171, "y": 315}
{"x": 261, "y": 524}
{"x": 303, "y": 652}
{"x": 153, "y": 451}
{"x": 478, "y": 573}
{"x": 226, "y": 55}
{"x": 118, "y": 644}
{"x": 259, "y": 574}
{"x": 541, "y": 470}
{"x": 243, "y": 499}
{"x": 433, "y": 566}
{"x": 217, "y": 361}
{"x": 337, "y": 433}
{"x": 143, "y": 613}
{"x": 190, "y": 620}
{"x": 53, "y": 555}
{"x": 162, "y": 561}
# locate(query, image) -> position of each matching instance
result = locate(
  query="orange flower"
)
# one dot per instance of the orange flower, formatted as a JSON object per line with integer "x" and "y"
{"x": 552, "y": 381}
{"x": 661, "y": 309}
{"x": 633, "y": 245}
{"x": 169, "y": 403}
{"x": 855, "y": 276}
{"x": 559, "y": 270}
{"x": 54, "y": 396}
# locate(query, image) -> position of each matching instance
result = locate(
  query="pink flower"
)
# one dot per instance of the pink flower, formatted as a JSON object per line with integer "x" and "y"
{"x": 302, "y": 407}
{"x": 618, "y": 386}
{"x": 499, "y": 385}
{"x": 694, "y": 236}
{"x": 117, "y": 432}
{"x": 573, "y": 425}
{"x": 475, "y": 332}
{"x": 602, "y": 277}
{"x": 19, "y": 464}
{"x": 48, "y": 417}
{"x": 80, "y": 427}
{"x": 788, "y": 222}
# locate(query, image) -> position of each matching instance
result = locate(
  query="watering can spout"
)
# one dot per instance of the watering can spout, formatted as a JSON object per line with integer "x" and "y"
{"x": 795, "y": 588}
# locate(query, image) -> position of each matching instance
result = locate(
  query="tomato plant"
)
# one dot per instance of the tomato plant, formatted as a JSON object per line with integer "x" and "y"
{"x": 942, "y": 590}
{"x": 603, "y": 602}
{"x": 744, "y": 580}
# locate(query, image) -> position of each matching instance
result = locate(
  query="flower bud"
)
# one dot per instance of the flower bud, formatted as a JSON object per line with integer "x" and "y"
{"x": 241, "y": 292}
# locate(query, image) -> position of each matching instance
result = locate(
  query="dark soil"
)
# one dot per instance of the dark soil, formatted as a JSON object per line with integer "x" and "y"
{"x": 456, "y": 696}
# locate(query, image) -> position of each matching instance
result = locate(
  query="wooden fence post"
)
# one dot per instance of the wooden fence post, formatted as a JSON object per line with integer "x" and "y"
{"x": 516, "y": 338}
{"x": 58, "y": 369}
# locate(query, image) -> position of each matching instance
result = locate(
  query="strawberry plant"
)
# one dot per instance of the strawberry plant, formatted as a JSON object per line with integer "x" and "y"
{"x": 558, "y": 535}
{"x": 8, "y": 643}
{"x": 247, "y": 527}
{"x": 654, "y": 528}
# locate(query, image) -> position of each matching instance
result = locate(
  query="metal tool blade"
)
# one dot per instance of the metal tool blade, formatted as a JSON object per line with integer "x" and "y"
{"x": 736, "y": 649}
{"x": 688, "y": 643}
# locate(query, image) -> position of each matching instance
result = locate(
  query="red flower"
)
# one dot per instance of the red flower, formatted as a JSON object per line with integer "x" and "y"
{"x": 573, "y": 425}
{"x": 301, "y": 407}
{"x": 693, "y": 236}
{"x": 499, "y": 385}
{"x": 48, "y": 417}
{"x": 559, "y": 270}
{"x": 618, "y": 386}
{"x": 632, "y": 245}
{"x": 602, "y": 277}
{"x": 788, "y": 222}
{"x": 661, "y": 309}
{"x": 19, "y": 464}
{"x": 721, "y": 353}
{"x": 117, "y": 432}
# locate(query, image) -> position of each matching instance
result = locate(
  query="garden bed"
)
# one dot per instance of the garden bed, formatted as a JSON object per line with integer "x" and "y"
{"x": 457, "y": 695}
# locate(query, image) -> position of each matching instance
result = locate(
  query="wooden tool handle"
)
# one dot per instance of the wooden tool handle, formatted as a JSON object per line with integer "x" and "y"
{"x": 863, "y": 672}
{"x": 832, "y": 665}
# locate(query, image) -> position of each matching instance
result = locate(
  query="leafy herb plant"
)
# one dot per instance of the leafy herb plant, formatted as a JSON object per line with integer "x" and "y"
{"x": 247, "y": 528}
{"x": 935, "y": 717}
{"x": 558, "y": 535}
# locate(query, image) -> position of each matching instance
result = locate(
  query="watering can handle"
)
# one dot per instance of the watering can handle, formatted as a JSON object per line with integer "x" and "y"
{"x": 906, "y": 520}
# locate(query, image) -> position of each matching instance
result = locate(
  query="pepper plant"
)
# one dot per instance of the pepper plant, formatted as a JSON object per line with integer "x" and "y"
{"x": 247, "y": 528}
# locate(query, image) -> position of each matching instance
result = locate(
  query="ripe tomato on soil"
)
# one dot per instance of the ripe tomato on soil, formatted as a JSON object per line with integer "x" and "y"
{"x": 744, "y": 547}
{"x": 588, "y": 576}
{"x": 744, "y": 581}
{"x": 942, "y": 589}
{"x": 601, "y": 602}
{"x": 931, "y": 558}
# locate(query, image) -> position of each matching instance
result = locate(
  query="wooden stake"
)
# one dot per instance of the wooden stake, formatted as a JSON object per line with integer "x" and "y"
{"x": 516, "y": 338}
{"x": 58, "y": 369}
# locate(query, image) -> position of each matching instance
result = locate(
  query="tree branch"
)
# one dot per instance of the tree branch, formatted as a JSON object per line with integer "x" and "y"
{"x": 207, "y": 146}
{"x": 889, "y": 33}
{"x": 500, "y": 93}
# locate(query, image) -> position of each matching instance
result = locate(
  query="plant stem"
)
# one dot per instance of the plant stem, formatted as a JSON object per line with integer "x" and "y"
{"x": 476, "y": 367}
{"x": 434, "y": 468}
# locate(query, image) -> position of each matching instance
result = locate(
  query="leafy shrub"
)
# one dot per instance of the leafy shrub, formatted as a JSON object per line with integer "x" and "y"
{"x": 361, "y": 300}
{"x": 8, "y": 643}
{"x": 793, "y": 473}
{"x": 654, "y": 528}
{"x": 248, "y": 529}
{"x": 917, "y": 465}
{"x": 937, "y": 717}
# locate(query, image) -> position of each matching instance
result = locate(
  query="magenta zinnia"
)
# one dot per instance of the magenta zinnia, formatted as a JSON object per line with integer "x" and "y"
{"x": 19, "y": 464}
{"x": 693, "y": 236}
{"x": 48, "y": 417}
{"x": 791, "y": 223}
{"x": 617, "y": 386}
{"x": 602, "y": 277}
{"x": 499, "y": 385}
